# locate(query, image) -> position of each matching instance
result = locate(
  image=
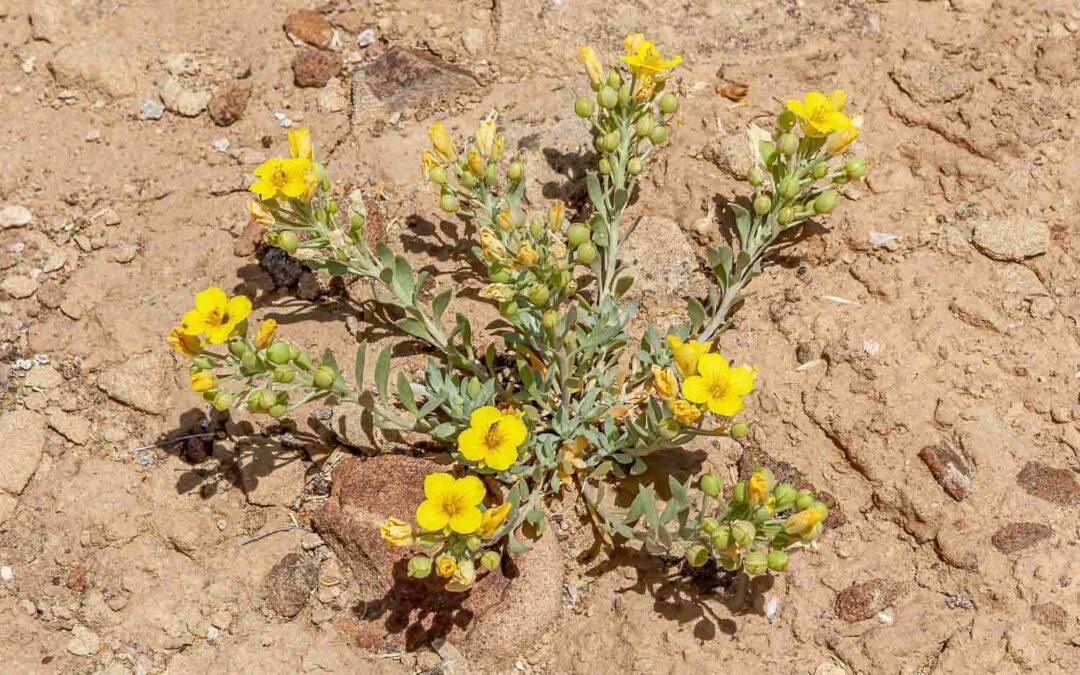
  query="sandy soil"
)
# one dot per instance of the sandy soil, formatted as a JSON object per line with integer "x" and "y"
{"x": 939, "y": 308}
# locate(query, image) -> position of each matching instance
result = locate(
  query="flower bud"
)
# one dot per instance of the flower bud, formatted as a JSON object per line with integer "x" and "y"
{"x": 474, "y": 387}
{"x": 697, "y": 555}
{"x": 767, "y": 150}
{"x": 611, "y": 141}
{"x": 477, "y": 165}
{"x": 604, "y": 165}
{"x": 785, "y": 215}
{"x": 786, "y": 120}
{"x": 256, "y": 401}
{"x": 498, "y": 148}
{"x": 804, "y": 498}
{"x": 202, "y": 363}
{"x": 668, "y": 103}
{"x": 789, "y": 186}
{"x": 499, "y": 274}
{"x": 466, "y": 179}
{"x": 223, "y": 401}
{"x": 607, "y": 97}
{"x": 742, "y": 532}
{"x": 288, "y": 242}
{"x": 490, "y": 560}
{"x": 515, "y": 172}
{"x": 538, "y": 295}
{"x": 721, "y": 539}
{"x": 419, "y": 566}
{"x": 633, "y": 166}
{"x": 738, "y": 492}
{"x": 739, "y": 430}
{"x": 278, "y": 353}
{"x": 624, "y": 94}
{"x": 825, "y": 202}
{"x": 756, "y": 562}
{"x": 586, "y": 253}
{"x": 473, "y": 543}
{"x": 658, "y": 135}
{"x": 571, "y": 287}
{"x": 711, "y": 484}
{"x": 710, "y": 525}
{"x": 550, "y": 319}
{"x": 323, "y": 378}
{"x": 614, "y": 79}
{"x": 789, "y": 145}
{"x": 284, "y": 374}
{"x": 578, "y": 234}
{"x": 277, "y": 410}
{"x": 437, "y": 175}
{"x": 855, "y": 168}
{"x": 784, "y": 495}
{"x": 249, "y": 361}
{"x": 643, "y": 125}
{"x": 237, "y": 347}
{"x": 754, "y": 177}
{"x": 819, "y": 170}
{"x": 762, "y": 204}
{"x": 778, "y": 561}
{"x": 448, "y": 203}
{"x": 584, "y": 107}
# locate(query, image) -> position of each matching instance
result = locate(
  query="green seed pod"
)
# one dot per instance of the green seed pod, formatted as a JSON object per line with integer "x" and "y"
{"x": 786, "y": 120}
{"x": 739, "y": 430}
{"x": 819, "y": 170}
{"x": 643, "y": 125}
{"x": 201, "y": 363}
{"x": 249, "y": 361}
{"x": 586, "y": 253}
{"x": 633, "y": 166}
{"x": 762, "y": 204}
{"x": 754, "y": 177}
{"x": 223, "y": 401}
{"x": 491, "y": 174}
{"x": 669, "y": 104}
{"x": 278, "y": 353}
{"x": 789, "y": 186}
{"x": 778, "y": 561}
{"x": 237, "y": 347}
{"x": 449, "y": 203}
{"x": 499, "y": 274}
{"x": 323, "y": 378}
{"x": 788, "y": 144}
{"x": 605, "y": 166}
{"x": 577, "y": 235}
{"x": 710, "y": 525}
{"x": 658, "y": 135}
{"x": 767, "y": 150}
{"x": 284, "y": 374}
{"x": 288, "y": 242}
{"x": 785, "y": 215}
{"x": 560, "y": 279}
{"x": 517, "y": 217}
{"x": 784, "y": 495}
{"x": 611, "y": 141}
{"x": 209, "y": 395}
{"x": 550, "y": 319}
{"x": 538, "y": 295}
{"x": 721, "y": 538}
{"x": 614, "y": 79}
{"x": 515, "y": 172}
{"x": 697, "y": 555}
{"x": 855, "y": 168}
{"x": 756, "y": 562}
{"x": 277, "y": 410}
{"x": 742, "y": 532}
{"x": 490, "y": 560}
{"x": 584, "y": 107}
{"x": 803, "y": 499}
{"x": 466, "y": 179}
{"x": 608, "y": 98}
{"x": 474, "y": 387}
{"x": 711, "y": 484}
{"x": 825, "y": 202}
{"x": 571, "y": 287}
{"x": 509, "y": 309}
{"x": 738, "y": 492}
{"x": 624, "y": 94}
{"x": 473, "y": 543}
{"x": 437, "y": 175}
{"x": 419, "y": 566}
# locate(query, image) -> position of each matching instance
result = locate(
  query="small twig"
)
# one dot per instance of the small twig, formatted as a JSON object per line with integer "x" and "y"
{"x": 170, "y": 441}
{"x": 264, "y": 535}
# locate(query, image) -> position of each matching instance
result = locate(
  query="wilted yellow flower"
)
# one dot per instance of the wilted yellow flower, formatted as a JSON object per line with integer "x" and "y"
{"x": 686, "y": 354}
{"x": 499, "y": 292}
{"x": 216, "y": 314}
{"x": 719, "y": 386}
{"x": 758, "y": 486}
{"x": 632, "y": 40}
{"x": 290, "y": 178}
{"x": 805, "y": 523}
{"x": 397, "y": 532}
{"x": 485, "y": 137}
{"x": 685, "y": 412}
{"x": 451, "y": 503}
{"x": 573, "y": 458}
{"x": 593, "y": 67}
{"x": 265, "y": 333}
{"x": 442, "y": 142}
{"x": 463, "y": 577}
{"x": 839, "y": 140}
{"x": 558, "y": 254}
{"x": 490, "y": 244}
{"x": 527, "y": 255}
{"x": 493, "y": 518}
{"x": 445, "y": 565}
{"x": 428, "y": 161}
{"x": 645, "y": 61}
{"x": 556, "y": 215}
{"x": 664, "y": 382}
{"x": 188, "y": 345}
{"x": 820, "y": 115}
{"x": 504, "y": 220}
{"x": 202, "y": 380}
{"x": 300, "y": 144}
{"x": 259, "y": 213}
{"x": 492, "y": 438}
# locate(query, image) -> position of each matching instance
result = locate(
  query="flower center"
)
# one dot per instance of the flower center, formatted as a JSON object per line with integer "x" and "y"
{"x": 280, "y": 178}
{"x": 493, "y": 437}
{"x": 453, "y": 505}
{"x": 718, "y": 387}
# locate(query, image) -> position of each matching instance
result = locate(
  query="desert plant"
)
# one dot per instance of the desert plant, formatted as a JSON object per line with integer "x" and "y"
{"x": 568, "y": 398}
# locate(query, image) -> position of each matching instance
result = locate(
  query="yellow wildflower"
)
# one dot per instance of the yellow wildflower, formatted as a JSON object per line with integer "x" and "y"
{"x": 664, "y": 382}
{"x": 645, "y": 61}
{"x": 265, "y": 333}
{"x": 441, "y": 141}
{"x": 686, "y": 413}
{"x": 593, "y": 67}
{"x": 477, "y": 165}
{"x": 300, "y": 144}
{"x": 504, "y": 220}
{"x": 758, "y": 486}
{"x": 527, "y": 255}
{"x": 451, "y": 503}
{"x": 188, "y": 345}
{"x": 839, "y": 140}
{"x": 492, "y": 438}
{"x": 493, "y": 518}
{"x": 718, "y": 385}
{"x": 686, "y": 354}
{"x": 429, "y": 161}
{"x": 820, "y": 115}
{"x": 216, "y": 314}
{"x": 556, "y": 214}
{"x": 490, "y": 244}
{"x": 499, "y": 292}
{"x": 463, "y": 577}
{"x": 397, "y": 532}
{"x": 202, "y": 380}
{"x": 445, "y": 565}
{"x": 805, "y": 523}
{"x": 573, "y": 458}
{"x": 485, "y": 137}
{"x": 259, "y": 213}
{"x": 279, "y": 177}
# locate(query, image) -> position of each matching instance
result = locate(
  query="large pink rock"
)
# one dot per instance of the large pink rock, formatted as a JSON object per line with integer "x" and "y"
{"x": 498, "y": 619}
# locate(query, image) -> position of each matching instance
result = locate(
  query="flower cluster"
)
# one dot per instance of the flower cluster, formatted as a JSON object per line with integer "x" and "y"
{"x": 562, "y": 398}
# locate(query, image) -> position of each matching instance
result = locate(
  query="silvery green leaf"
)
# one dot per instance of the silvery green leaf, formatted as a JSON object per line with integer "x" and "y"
{"x": 697, "y": 314}
{"x": 622, "y": 285}
{"x": 742, "y": 223}
{"x": 361, "y": 356}
{"x": 382, "y": 373}
{"x": 444, "y": 431}
{"x": 516, "y": 545}
{"x": 596, "y": 193}
{"x": 414, "y": 328}
{"x": 439, "y": 304}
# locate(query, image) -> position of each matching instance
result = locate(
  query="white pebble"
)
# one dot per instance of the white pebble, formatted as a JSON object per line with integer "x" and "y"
{"x": 366, "y": 38}
{"x": 772, "y": 609}
{"x": 6, "y": 574}
{"x": 885, "y": 616}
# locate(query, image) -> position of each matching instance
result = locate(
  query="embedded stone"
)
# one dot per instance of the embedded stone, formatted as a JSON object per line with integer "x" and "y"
{"x": 948, "y": 468}
{"x": 314, "y": 68}
{"x": 1016, "y": 537}
{"x": 1045, "y": 482}
{"x": 1011, "y": 240}
{"x": 404, "y": 79}
{"x": 865, "y": 600}
{"x": 290, "y": 583}
{"x": 24, "y": 441}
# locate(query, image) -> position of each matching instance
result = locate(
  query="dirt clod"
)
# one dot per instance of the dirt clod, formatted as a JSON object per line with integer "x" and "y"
{"x": 1046, "y": 482}
{"x": 314, "y": 68}
{"x": 309, "y": 26}
{"x": 948, "y": 468}
{"x": 1016, "y": 537}
{"x": 290, "y": 583}
{"x": 865, "y": 600}
{"x": 228, "y": 103}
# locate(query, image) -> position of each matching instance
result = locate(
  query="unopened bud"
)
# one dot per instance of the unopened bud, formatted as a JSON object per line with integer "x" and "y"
{"x": 784, "y": 495}
{"x": 577, "y": 235}
{"x": 643, "y": 125}
{"x": 584, "y": 107}
{"x": 277, "y": 410}
{"x": 855, "y": 168}
{"x": 586, "y": 253}
{"x": 550, "y": 319}
{"x": 539, "y": 294}
{"x": 449, "y": 203}
{"x": 756, "y": 562}
{"x": 490, "y": 560}
{"x": 803, "y": 499}
{"x": 515, "y": 172}
{"x": 607, "y": 97}
{"x": 819, "y": 170}
{"x": 288, "y": 242}
{"x": 604, "y": 165}
{"x": 739, "y": 430}
{"x": 710, "y": 525}
{"x": 778, "y": 561}
{"x": 762, "y": 204}
{"x": 825, "y": 202}
{"x": 284, "y": 374}
{"x": 668, "y": 429}
{"x": 237, "y": 347}
{"x": 324, "y": 377}
{"x": 785, "y": 215}
{"x": 789, "y": 145}
{"x": 738, "y": 492}
{"x": 437, "y": 175}
{"x": 711, "y": 484}
{"x": 742, "y": 532}
{"x": 224, "y": 400}
{"x": 658, "y": 135}
{"x": 789, "y": 186}
{"x": 419, "y": 566}
{"x": 668, "y": 103}
{"x": 473, "y": 543}
{"x": 634, "y": 167}
{"x": 754, "y": 177}
{"x": 278, "y": 353}
{"x": 474, "y": 387}
{"x": 786, "y": 120}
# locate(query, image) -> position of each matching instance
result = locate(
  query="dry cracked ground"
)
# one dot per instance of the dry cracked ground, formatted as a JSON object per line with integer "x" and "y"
{"x": 919, "y": 352}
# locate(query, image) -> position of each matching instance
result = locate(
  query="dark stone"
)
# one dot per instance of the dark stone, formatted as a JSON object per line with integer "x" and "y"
{"x": 948, "y": 468}
{"x": 229, "y": 102}
{"x": 307, "y": 25}
{"x": 314, "y": 68}
{"x": 290, "y": 583}
{"x": 1045, "y": 482}
{"x": 865, "y": 600}
{"x": 282, "y": 269}
{"x": 1016, "y": 537}
{"x": 785, "y": 472}
{"x": 1050, "y": 615}
{"x": 406, "y": 79}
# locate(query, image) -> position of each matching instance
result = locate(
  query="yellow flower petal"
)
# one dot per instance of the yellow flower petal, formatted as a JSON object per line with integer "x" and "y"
{"x": 430, "y": 514}
{"x": 741, "y": 380}
{"x": 300, "y": 144}
{"x": 484, "y": 417}
{"x": 493, "y": 518}
{"x": 211, "y": 300}
{"x": 502, "y": 457}
{"x": 712, "y": 366}
{"x": 471, "y": 489}
{"x": 727, "y": 405}
{"x": 466, "y": 521}
{"x": 695, "y": 390}
{"x": 436, "y": 484}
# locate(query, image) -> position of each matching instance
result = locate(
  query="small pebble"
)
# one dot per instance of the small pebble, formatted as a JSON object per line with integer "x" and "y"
{"x": 885, "y": 616}
{"x": 366, "y": 38}
{"x": 772, "y": 609}
{"x": 6, "y": 575}
{"x": 221, "y": 144}
{"x": 149, "y": 109}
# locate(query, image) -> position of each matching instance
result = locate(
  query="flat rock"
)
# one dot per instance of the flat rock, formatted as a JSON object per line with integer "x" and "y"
{"x": 1050, "y": 615}
{"x": 309, "y": 26}
{"x": 83, "y": 642}
{"x": 139, "y": 382}
{"x": 229, "y": 102}
{"x": 1011, "y": 240}
{"x": 24, "y": 440}
{"x": 752, "y": 458}
{"x": 19, "y": 286}
{"x": 1016, "y": 537}
{"x": 7, "y": 506}
{"x": 405, "y": 78}
{"x": 1045, "y": 482}
{"x": 504, "y": 613}
{"x": 14, "y": 215}
{"x": 72, "y": 427}
{"x": 930, "y": 82}
{"x": 661, "y": 259}
{"x": 948, "y": 468}
{"x": 865, "y": 600}
{"x": 43, "y": 377}
{"x": 97, "y": 66}
{"x": 314, "y": 68}
{"x": 290, "y": 583}
{"x": 183, "y": 101}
